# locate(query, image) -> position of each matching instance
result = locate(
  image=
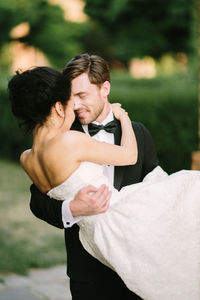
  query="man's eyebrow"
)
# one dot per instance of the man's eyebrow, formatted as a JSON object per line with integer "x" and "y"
{"x": 79, "y": 93}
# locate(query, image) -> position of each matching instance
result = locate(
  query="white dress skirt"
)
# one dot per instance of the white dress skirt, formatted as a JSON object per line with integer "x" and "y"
{"x": 150, "y": 235}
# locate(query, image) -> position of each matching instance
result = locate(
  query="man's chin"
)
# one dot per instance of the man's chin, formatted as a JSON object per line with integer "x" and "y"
{"x": 84, "y": 121}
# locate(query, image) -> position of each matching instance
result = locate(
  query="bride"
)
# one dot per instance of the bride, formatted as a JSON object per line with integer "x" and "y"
{"x": 150, "y": 235}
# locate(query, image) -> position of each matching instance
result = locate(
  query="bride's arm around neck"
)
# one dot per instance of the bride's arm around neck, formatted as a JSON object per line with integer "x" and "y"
{"x": 80, "y": 147}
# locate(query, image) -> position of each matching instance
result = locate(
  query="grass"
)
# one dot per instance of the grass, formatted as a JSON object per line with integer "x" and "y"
{"x": 25, "y": 241}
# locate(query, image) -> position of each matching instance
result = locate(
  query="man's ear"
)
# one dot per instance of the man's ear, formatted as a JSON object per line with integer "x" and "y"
{"x": 105, "y": 88}
{"x": 59, "y": 109}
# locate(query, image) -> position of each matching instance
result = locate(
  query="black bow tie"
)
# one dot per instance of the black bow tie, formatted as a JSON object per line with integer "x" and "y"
{"x": 109, "y": 127}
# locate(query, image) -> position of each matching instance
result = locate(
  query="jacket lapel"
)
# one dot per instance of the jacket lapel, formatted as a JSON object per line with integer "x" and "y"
{"x": 119, "y": 171}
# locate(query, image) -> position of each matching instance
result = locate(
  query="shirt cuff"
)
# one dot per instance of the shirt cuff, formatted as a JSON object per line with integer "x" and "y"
{"x": 67, "y": 218}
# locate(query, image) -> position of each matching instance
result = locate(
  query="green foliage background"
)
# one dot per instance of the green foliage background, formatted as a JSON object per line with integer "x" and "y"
{"x": 117, "y": 30}
{"x": 168, "y": 108}
{"x": 49, "y": 31}
{"x": 136, "y": 28}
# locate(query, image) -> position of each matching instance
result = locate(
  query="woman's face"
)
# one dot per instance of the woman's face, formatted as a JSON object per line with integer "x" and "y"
{"x": 69, "y": 115}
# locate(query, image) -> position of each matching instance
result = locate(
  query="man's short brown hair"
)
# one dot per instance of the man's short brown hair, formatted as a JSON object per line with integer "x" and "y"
{"x": 95, "y": 66}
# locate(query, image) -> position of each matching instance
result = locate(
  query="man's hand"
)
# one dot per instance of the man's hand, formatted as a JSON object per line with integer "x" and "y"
{"x": 90, "y": 201}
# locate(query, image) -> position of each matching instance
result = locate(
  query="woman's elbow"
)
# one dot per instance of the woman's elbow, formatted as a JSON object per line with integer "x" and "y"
{"x": 133, "y": 158}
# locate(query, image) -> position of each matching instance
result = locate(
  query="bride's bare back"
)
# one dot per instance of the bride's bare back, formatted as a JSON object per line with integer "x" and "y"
{"x": 51, "y": 162}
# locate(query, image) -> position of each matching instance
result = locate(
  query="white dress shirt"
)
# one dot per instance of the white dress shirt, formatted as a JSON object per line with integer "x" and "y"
{"x": 103, "y": 136}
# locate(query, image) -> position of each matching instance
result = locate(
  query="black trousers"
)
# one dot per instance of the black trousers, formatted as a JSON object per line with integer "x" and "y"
{"x": 101, "y": 290}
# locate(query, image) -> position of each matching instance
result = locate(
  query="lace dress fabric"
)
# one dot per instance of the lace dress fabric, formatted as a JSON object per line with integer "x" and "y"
{"x": 151, "y": 233}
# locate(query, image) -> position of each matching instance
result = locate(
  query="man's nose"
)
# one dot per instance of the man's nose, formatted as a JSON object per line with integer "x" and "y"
{"x": 77, "y": 104}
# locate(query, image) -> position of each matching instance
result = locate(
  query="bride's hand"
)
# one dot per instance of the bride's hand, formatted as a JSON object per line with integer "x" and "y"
{"x": 118, "y": 111}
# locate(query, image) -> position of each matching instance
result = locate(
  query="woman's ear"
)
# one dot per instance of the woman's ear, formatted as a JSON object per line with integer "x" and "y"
{"x": 105, "y": 88}
{"x": 59, "y": 109}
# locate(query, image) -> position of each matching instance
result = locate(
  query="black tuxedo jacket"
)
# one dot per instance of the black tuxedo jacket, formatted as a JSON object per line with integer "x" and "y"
{"x": 80, "y": 265}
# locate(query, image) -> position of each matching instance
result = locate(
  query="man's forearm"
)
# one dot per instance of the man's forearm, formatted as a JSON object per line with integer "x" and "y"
{"x": 46, "y": 208}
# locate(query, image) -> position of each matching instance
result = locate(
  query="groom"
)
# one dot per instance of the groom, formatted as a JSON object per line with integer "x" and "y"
{"x": 89, "y": 279}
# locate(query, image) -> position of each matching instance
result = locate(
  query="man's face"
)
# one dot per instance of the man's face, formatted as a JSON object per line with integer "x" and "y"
{"x": 90, "y": 101}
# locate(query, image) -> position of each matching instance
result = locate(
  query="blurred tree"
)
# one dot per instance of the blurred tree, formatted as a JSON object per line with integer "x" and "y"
{"x": 8, "y": 19}
{"x": 198, "y": 23}
{"x": 143, "y": 27}
{"x": 96, "y": 40}
{"x": 49, "y": 31}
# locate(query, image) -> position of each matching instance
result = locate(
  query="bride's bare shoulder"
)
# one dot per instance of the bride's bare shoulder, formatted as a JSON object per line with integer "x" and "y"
{"x": 72, "y": 137}
{"x": 23, "y": 157}
{"x": 73, "y": 134}
{"x": 64, "y": 143}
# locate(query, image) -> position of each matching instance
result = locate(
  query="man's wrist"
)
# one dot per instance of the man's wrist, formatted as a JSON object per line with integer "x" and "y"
{"x": 73, "y": 208}
{"x": 67, "y": 216}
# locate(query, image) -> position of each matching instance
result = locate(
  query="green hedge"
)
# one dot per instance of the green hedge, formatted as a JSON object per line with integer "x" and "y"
{"x": 166, "y": 106}
{"x": 12, "y": 139}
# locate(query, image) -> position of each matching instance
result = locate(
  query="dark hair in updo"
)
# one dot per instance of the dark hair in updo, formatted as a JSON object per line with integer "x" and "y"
{"x": 33, "y": 93}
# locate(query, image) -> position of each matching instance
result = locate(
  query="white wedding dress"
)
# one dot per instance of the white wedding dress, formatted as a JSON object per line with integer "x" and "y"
{"x": 151, "y": 233}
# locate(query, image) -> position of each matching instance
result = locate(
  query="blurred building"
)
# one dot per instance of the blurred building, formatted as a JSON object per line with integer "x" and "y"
{"x": 168, "y": 64}
{"x": 23, "y": 56}
{"x": 73, "y": 9}
{"x": 143, "y": 68}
